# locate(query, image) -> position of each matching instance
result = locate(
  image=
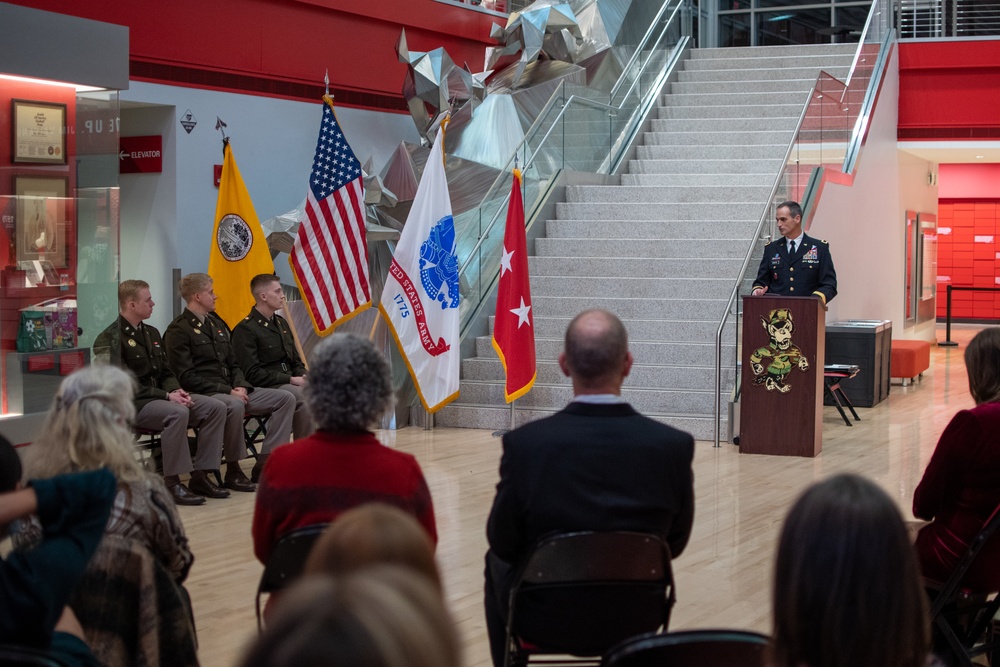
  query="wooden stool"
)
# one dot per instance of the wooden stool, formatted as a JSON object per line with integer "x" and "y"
{"x": 909, "y": 359}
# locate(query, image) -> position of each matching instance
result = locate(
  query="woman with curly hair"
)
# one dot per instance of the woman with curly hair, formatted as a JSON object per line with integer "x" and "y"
{"x": 341, "y": 465}
{"x": 130, "y": 602}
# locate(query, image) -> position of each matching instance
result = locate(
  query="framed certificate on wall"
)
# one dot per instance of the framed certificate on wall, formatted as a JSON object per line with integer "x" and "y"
{"x": 38, "y": 132}
{"x": 40, "y": 219}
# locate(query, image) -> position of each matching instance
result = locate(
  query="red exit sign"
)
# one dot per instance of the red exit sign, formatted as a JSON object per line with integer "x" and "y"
{"x": 140, "y": 155}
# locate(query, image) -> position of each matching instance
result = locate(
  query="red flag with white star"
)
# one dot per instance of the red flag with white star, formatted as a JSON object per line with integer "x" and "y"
{"x": 513, "y": 327}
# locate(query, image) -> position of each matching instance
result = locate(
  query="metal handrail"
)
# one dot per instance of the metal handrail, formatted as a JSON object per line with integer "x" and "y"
{"x": 645, "y": 38}
{"x": 861, "y": 45}
{"x": 765, "y": 215}
{"x": 860, "y": 127}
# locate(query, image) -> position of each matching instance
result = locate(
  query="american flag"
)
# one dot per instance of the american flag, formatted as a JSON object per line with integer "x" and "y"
{"x": 330, "y": 254}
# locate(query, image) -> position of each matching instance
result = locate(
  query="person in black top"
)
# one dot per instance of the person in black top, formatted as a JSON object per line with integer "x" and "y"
{"x": 596, "y": 465}
{"x": 265, "y": 349}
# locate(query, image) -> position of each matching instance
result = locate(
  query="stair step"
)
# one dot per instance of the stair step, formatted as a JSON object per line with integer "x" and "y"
{"x": 630, "y": 308}
{"x": 689, "y": 180}
{"x": 733, "y": 99}
{"x": 664, "y": 211}
{"x": 633, "y": 266}
{"x": 714, "y": 166}
{"x": 662, "y": 330}
{"x": 662, "y": 194}
{"x": 687, "y": 75}
{"x": 741, "y": 152}
{"x": 786, "y": 123}
{"x": 494, "y": 417}
{"x": 718, "y": 138}
{"x": 640, "y": 287}
{"x": 716, "y": 248}
{"x": 744, "y": 84}
{"x": 700, "y": 378}
{"x": 643, "y": 230}
{"x": 767, "y": 62}
{"x": 660, "y": 400}
{"x": 788, "y": 50}
{"x": 772, "y": 109}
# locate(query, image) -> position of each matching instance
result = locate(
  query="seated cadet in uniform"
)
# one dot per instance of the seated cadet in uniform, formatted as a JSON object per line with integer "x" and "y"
{"x": 160, "y": 403}
{"x": 265, "y": 349}
{"x": 200, "y": 352}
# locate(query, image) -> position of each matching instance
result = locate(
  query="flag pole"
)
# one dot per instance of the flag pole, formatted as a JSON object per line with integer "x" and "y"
{"x": 295, "y": 335}
{"x": 512, "y": 403}
{"x": 221, "y": 127}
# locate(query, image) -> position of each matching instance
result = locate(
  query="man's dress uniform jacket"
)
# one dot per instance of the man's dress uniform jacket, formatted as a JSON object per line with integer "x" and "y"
{"x": 265, "y": 350}
{"x": 202, "y": 356}
{"x": 806, "y": 273}
{"x": 141, "y": 350}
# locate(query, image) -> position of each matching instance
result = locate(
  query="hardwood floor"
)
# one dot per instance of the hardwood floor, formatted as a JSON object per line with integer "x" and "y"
{"x": 724, "y": 575}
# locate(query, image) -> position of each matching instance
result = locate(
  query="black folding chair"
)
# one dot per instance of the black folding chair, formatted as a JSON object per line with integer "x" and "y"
{"x": 962, "y": 617}
{"x": 147, "y": 443}
{"x": 691, "y": 648}
{"x": 254, "y": 430}
{"x": 286, "y": 561}
{"x": 25, "y": 656}
{"x": 581, "y": 593}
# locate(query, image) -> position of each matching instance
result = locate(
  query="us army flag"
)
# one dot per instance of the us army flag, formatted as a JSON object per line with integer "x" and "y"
{"x": 420, "y": 298}
{"x": 239, "y": 249}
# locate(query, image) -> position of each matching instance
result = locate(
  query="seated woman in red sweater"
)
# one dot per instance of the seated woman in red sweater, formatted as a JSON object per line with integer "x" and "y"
{"x": 961, "y": 486}
{"x": 342, "y": 464}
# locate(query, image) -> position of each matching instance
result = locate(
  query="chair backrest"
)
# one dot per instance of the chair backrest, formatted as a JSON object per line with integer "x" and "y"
{"x": 954, "y": 582}
{"x": 288, "y": 557}
{"x": 691, "y": 648}
{"x": 581, "y": 593}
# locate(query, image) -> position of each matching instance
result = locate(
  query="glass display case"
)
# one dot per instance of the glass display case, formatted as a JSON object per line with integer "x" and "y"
{"x": 58, "y": 233}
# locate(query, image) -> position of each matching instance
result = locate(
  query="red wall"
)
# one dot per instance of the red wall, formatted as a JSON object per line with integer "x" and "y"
{"x": 968, "y": 236}
{"x": 949, "y": 89}
{"x": 282, "y": 47}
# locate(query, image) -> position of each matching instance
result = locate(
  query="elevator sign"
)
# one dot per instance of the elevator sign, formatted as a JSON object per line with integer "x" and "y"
{"x": 140, "y": 155}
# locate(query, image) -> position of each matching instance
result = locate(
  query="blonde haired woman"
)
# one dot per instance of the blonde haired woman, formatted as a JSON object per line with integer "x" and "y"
{"x": 381, "y": 616}
{"x": 88, "y": 428}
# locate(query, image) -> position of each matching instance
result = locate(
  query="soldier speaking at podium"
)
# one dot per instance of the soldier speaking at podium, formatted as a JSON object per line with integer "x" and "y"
{"x": 796, "y": 264}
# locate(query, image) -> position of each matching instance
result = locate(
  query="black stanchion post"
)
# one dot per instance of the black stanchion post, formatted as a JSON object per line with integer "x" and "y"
{"x": 948, "y": 342}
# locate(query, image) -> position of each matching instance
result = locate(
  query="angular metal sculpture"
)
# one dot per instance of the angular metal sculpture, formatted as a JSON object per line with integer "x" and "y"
{"x": 434, "y": 82}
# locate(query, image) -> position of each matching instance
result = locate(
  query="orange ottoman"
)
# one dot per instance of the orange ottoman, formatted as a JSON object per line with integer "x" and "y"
{"x": 909, "y": 359}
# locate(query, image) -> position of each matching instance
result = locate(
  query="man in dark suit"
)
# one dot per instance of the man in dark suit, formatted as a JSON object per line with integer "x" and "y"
{"x": 796, "y": 264}
{"x": 160, "y": 403}
{"x": 596, "y": 465}
{"x": 200, "y": 351}
{"x": 265, "y": 349}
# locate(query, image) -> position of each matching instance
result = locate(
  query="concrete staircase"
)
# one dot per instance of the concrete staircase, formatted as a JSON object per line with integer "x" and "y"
{"x": 663, "y": 249}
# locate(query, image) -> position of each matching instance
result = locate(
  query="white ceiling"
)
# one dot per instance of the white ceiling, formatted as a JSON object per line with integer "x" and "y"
{"x": 953, "y": 152}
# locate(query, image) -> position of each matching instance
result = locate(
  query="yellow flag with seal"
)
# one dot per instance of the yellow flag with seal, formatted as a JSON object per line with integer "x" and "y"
{"x": 239, "y": 249}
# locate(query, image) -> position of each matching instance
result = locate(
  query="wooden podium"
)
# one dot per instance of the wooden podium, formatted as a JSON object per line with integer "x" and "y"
{"x": 781, "y": 400}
